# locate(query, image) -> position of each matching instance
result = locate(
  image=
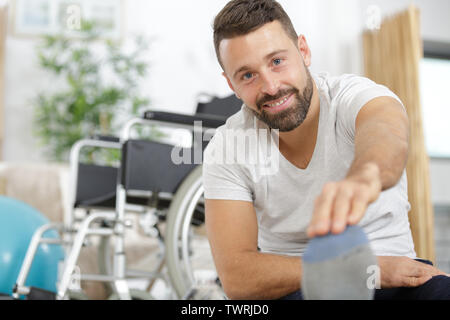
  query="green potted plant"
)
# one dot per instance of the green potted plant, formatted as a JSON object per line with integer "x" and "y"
{"x": 99, "y": 91}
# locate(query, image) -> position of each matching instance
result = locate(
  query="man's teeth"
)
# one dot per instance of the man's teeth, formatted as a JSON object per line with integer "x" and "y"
{"x": 278, "y": 103}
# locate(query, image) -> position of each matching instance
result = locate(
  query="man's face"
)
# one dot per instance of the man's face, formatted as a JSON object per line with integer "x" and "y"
{"x": 266, "y": 69}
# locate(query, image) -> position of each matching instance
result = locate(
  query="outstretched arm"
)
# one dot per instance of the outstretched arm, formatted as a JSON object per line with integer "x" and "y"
{"x": 382, "y": 133}
{"x": 381, "y": 149}
{"x": 245, "y": 272}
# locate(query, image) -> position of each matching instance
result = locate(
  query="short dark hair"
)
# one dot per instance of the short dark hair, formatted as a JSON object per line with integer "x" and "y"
{"x": 240, "y": 17}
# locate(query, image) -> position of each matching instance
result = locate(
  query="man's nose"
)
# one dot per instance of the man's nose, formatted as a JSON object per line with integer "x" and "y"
{"x": 270, "y": 85}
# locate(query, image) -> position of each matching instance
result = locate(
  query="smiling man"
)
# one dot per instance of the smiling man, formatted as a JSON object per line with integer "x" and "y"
{"x": 342, "y": 144}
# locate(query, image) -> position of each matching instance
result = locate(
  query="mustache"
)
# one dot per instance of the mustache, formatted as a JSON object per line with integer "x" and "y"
{"x": 266, "y": 98}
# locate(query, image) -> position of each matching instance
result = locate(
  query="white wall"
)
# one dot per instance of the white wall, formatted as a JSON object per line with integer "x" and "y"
{"x": 183, "y": 63}
{"x": 182, "y": 58}
{"x": 183, "y": 51}
{"x": 435, "y": 15}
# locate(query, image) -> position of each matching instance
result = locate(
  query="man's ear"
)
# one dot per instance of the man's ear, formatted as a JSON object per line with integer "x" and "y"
{"x": 230, "y": 84}
{"x": 304, "y": 49}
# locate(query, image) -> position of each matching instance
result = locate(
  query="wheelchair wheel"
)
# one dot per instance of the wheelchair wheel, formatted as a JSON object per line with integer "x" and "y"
{"x": 189, "y": 259}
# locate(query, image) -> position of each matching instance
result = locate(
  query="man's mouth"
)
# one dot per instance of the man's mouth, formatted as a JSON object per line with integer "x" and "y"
{"x": 279, "y": 104}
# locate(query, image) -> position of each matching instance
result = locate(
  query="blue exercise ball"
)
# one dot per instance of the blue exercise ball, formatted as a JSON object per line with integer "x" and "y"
{"x": 18, "y": 222}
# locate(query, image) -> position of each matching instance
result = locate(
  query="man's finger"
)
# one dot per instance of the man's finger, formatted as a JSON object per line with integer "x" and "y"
{"x": 340, "y": 211}
{"x": 435, "y": 271}
{"x": 320, "y": 222}
{"x": 359, "y": 207}
{"x": 426, "y": 269}
{"x": 420, "y": 281}
{"x": 416, "y": 281}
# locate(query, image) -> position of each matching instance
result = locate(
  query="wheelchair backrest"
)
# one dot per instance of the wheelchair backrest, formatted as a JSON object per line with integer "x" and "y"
{"x": 220, "y": 106}
{"x": 148, "y": 166}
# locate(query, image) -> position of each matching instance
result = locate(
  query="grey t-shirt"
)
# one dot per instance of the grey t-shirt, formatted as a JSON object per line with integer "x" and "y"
{"x": 283, "y": 195}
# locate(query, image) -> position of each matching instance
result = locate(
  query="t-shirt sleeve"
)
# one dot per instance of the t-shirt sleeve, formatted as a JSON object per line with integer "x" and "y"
{"x": 225, "y": 182}
{"x": 351, "y": 93}
{"x": 222, "y": 179}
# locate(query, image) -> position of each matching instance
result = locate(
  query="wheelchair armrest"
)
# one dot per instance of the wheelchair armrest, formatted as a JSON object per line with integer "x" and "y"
{"x": 208, "y": 120}
{"x": 106, "y": 138}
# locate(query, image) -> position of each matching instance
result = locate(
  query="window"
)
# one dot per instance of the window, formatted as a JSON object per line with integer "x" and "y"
{"x": 435, "y": 96}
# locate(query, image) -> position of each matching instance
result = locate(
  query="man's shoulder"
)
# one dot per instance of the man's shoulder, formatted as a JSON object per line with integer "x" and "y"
{"x": 336, "y": 84}
{"x": 350, "y": 89}
{"x": 242, "y": 143}
{"x": 344, "y": 77}
{"x": 244, "y": 119}
{"x": 241, "y": 120}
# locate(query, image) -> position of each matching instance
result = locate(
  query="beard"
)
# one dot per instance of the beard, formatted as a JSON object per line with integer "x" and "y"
{"x": 290, "y": 118}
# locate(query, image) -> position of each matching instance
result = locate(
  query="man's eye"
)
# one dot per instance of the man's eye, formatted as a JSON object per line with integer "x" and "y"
{"x": 276, "y": 61}
{"x": 247, "y": 76}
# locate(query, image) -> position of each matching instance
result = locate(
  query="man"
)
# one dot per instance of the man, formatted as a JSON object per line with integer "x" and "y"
{"x": 342, "y": 146}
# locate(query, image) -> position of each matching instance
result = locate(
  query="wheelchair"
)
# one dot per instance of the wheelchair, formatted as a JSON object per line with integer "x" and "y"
{"x": 145, "y": 182}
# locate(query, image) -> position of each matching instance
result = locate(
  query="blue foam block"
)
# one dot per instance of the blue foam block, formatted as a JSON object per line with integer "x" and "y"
{"x": 334, "y": 245}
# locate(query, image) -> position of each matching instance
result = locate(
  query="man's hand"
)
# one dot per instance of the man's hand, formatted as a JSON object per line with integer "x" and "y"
{"x": 405, "y": 272}
{"x": 345, "y": 202}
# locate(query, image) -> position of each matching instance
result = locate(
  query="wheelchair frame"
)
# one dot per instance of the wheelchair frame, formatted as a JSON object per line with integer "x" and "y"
{"x": 116, "y": 217}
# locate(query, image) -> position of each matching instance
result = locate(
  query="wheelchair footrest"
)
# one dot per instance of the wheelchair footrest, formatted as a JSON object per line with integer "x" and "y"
{"x": 40, "y": 294}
